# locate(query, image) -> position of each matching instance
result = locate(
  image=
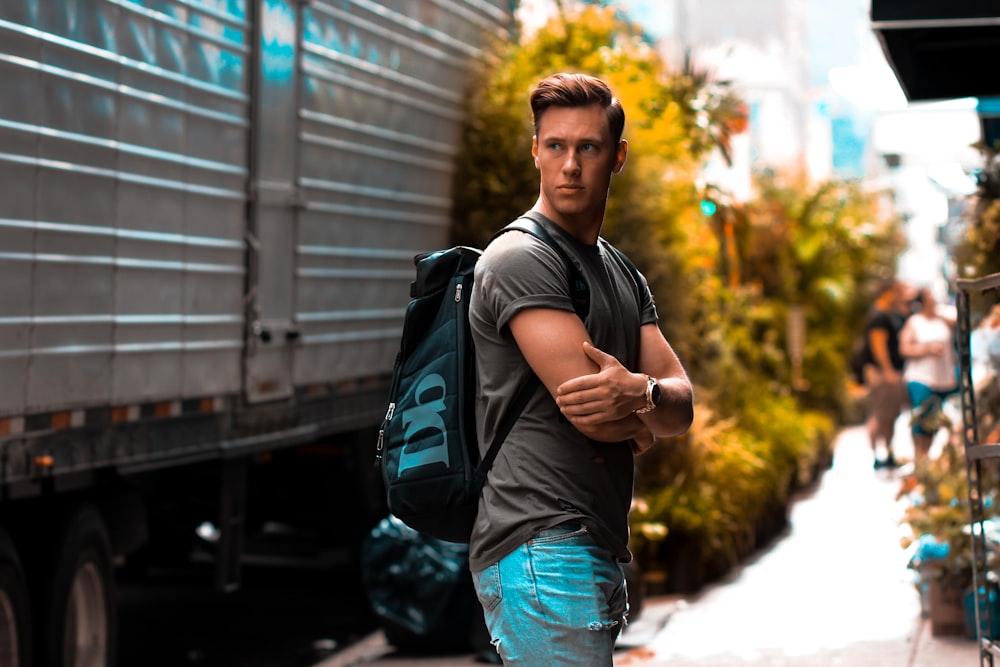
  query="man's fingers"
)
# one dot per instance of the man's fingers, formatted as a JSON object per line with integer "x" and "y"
{"x": 600, "y": 357}
{"x": 578, "y": 407}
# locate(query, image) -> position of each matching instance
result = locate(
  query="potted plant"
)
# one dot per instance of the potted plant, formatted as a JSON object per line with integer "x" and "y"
{"x": 938, "y": 516}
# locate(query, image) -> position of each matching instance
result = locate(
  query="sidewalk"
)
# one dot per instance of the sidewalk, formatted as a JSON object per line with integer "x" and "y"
{"x": 834, "y": 590}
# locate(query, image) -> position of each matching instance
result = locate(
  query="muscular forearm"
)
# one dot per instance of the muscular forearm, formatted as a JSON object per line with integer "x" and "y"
{"x": 614, "y": 394}
{"x": 629, "y": 429}
{"x": 675, "y": 412}
{"x": 617, "y": 430}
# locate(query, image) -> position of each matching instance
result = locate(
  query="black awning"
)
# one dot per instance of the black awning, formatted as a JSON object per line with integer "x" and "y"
{"x": 941, "y": 50}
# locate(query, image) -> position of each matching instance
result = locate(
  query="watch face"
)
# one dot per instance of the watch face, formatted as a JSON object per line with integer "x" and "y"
{"x": 656, "y": 394}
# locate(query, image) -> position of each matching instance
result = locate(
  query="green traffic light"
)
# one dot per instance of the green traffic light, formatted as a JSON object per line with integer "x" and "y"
{"x": 708, "y": 207}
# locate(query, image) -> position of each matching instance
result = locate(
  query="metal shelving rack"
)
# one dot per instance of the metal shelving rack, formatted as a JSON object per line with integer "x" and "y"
{"x": 976, "y": 454}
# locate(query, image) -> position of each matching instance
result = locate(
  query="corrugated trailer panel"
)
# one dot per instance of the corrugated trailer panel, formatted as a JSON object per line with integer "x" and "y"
{"x": 124, "y": 139}
{"x": 18, "y": 106}
{"x": 200, "y": 210}
{"x": 381, "y": 91}
{"x": 183, "y": 126}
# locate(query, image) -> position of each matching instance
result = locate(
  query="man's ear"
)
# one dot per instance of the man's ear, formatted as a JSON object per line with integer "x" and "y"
{"x": 534, "y": 149}
{"x": 620, "y": 157}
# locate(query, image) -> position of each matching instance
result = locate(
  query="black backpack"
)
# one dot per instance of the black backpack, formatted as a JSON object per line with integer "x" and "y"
{"x": 427, "y": 447}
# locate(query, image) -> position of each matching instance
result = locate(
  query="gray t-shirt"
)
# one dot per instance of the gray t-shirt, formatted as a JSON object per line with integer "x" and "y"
{"x": 547, "y": 472}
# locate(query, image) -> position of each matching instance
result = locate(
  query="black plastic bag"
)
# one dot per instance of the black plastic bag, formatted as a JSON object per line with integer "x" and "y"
{"x": 421, "y": 590}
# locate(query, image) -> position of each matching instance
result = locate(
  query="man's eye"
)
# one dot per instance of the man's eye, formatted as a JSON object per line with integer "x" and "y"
{"x": 586, "y": 148}
{"x": 554, "y": 146}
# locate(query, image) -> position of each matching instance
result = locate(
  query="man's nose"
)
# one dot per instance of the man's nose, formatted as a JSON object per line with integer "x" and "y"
{"x": 572, "y": 162}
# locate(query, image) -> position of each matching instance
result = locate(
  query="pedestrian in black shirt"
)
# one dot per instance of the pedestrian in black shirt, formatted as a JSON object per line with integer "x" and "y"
{"x": 883, "y": 370}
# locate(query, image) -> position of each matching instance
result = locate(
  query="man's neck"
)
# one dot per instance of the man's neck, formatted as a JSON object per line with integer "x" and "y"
{"x": 584, "y": 228}
{"x": 885, "y": 304}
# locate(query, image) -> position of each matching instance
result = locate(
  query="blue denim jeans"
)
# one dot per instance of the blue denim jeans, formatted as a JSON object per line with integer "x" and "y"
{"x": 926, "y": 402}
{"x": 557, "y": 601}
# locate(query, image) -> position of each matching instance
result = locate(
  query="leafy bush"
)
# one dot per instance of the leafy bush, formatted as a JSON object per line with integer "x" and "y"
{"x": 719, "y": 485}
{"x": 939, "y": 508}
{"x": 978, "y": 251}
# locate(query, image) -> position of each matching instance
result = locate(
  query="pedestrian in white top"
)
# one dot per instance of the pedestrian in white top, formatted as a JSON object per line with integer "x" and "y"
{"x": 927, "y": 343}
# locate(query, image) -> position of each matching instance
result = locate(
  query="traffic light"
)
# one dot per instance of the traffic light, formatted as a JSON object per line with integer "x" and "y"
{"x": 708, "y": 207}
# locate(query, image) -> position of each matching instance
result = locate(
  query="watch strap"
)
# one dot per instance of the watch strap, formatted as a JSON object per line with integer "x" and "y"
{"x": 650, "y": 403}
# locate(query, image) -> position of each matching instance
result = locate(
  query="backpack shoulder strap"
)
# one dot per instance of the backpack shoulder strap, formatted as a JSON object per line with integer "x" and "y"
{"x": 579, "y": 291}
{"x": 629, "y": 267}
{"x": 514, "y": 410}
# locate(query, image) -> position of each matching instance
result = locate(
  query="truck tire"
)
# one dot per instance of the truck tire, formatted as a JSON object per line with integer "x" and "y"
{"x": 78, "y": 620}
{"x": 15, "y": 608}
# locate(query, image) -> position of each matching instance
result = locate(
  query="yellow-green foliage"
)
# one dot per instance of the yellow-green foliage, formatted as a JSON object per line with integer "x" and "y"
{"x": 760, "y": 433}
{"x": 815, "y": 248}
{"x": 977, "y": 254}
{"x": 716, "y": 482}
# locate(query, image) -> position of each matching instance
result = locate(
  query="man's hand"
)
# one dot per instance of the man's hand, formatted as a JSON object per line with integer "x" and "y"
{"x": 936, "y": 349}
{"x": 610, "y": 394}
{"x": 601, "y": 405}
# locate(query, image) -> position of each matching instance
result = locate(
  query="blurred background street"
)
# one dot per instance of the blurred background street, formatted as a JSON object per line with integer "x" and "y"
{"x": 835, "y": 589}
{"x": 209, "y": 214}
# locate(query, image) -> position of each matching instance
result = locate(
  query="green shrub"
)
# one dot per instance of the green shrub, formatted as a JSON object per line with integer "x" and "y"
{"x": 717, "y": 483}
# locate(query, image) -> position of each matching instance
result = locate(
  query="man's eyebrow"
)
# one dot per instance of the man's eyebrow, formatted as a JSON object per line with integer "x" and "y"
{"x": 562, "y": 140}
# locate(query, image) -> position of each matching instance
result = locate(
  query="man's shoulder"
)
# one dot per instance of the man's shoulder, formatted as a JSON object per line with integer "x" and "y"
{"x": 610, "y": 250}
{"x": 879, "y": 318}
{"x": 516, "y": 249}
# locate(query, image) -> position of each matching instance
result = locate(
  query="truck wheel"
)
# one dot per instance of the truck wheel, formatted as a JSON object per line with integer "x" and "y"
{"x": 79, "y": 610}
{"x": 15, "y": 614}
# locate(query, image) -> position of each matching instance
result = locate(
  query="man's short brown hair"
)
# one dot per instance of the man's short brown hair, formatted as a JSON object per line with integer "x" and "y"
{"x": 577, "y": 90}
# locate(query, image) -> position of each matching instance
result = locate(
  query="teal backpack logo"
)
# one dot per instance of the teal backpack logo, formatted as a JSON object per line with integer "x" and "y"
{"x": 425, "y": 419}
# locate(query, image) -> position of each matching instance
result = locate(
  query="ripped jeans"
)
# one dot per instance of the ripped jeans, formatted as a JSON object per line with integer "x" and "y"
{"x": 557, "y": 601}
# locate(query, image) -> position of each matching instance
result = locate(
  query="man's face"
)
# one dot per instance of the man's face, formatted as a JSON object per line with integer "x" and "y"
{"x": 904, "y": 296}
{"x": 575, "y": 157}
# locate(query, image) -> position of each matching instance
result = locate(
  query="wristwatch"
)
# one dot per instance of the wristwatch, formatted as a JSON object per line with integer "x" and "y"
{"x": 652, "y": 396}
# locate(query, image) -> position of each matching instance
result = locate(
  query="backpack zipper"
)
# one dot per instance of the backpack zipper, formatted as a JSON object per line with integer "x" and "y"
{"x": 381, "y": 433}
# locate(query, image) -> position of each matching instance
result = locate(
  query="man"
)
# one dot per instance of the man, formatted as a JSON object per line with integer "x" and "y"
{"x": 552, "y": 528}
{"x": 884, "y": 367}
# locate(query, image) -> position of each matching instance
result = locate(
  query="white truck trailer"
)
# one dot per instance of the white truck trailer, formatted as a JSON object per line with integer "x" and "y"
{"x": 208, "y": 214}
